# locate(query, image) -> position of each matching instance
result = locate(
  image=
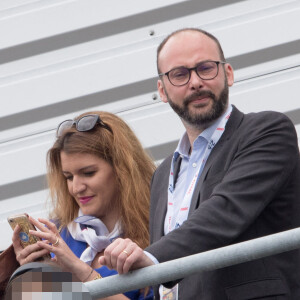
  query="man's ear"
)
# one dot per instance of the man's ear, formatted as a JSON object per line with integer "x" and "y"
{"x": 230, "y": 74}
{"x": 161, "y": 91}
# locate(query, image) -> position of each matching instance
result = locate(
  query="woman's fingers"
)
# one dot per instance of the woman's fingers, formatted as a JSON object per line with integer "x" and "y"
{"x": 44, "y": 225}
{"x": 47, "y": 246}
{"x": 49, "y": 236}
{"x": 39, "y": 225}
{"x": 58, "y": 247}
{"x": 35, "y": 255}
{"x": 48, "y": 230}
{"x": 64, "y": 256}
{"x": 30, "y": 253}
{"x": 16, "y": 239}
{"x": 49, "y": 225}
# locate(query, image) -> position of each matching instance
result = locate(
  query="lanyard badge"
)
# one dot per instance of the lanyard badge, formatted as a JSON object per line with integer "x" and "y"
{"x": 175, "y": 219}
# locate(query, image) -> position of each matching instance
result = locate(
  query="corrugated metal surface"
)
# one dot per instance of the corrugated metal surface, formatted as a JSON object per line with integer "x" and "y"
{"x": 60, "y": 58}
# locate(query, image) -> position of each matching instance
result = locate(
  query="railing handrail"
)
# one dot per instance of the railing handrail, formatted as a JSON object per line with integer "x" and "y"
{"x": 205, "y": 261}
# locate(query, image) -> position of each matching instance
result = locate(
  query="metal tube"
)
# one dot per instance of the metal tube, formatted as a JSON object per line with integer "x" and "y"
{"x": 205, "y": 261}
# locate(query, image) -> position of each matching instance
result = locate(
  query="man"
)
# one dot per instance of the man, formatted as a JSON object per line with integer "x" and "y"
{"x": 233, "y": 177}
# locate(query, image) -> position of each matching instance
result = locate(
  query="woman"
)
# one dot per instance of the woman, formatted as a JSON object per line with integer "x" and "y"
{"x": 99, "y": 180}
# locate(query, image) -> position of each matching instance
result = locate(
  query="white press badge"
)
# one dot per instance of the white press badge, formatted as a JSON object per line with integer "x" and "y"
{"x": 168, "y": 294}
{"x": 176, "y": 220}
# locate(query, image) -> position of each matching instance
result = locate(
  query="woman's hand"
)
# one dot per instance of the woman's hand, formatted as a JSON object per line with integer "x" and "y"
{"x": 28, "y": 254}
{"x": 53, "y": 242}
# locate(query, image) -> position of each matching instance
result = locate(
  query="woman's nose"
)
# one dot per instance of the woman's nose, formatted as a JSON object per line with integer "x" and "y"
{"x": 78, "y": 185}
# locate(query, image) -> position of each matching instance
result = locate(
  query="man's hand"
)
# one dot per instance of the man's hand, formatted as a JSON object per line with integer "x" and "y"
{"x": 124, "y": 255}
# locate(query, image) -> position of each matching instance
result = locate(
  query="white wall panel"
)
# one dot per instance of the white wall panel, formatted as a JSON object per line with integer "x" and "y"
{"x": 24, "y": 158}
{"x": 57, "y": 58}
{"x": 93, "y": 73}
{"x": 56, "y": 17}
{"x": 11, "y": 4}
{"x": 156, "y": 124}
{"x": 277, "y": 91}
{"x": 74, "y": 81}
{"x": 140, "y": 38}
{"x": 50, "y": 124}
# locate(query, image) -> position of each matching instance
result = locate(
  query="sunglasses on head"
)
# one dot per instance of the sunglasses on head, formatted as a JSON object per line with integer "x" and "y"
{"x": 85, "y": 123}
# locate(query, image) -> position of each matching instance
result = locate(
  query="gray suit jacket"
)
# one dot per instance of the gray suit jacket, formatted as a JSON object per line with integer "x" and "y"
{"x": 250, "y": 187}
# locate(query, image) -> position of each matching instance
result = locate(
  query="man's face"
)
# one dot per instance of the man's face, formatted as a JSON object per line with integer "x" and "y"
{"x": 199, "y": 102}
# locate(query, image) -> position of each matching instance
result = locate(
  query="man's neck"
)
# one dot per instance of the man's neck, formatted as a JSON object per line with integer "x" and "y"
{"x": 192, "y": 135}
{"x": 193, "y": 132}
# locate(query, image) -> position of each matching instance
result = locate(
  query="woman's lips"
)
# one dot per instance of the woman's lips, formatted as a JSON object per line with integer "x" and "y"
{"x": 84, "y": 200}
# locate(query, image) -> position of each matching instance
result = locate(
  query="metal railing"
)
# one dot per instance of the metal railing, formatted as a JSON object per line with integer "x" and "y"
{"x": 205, "y": 261}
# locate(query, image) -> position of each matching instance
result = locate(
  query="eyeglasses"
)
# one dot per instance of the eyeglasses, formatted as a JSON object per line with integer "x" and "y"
{"x": 206, "y": 70}
{"x": 84, "y": 123}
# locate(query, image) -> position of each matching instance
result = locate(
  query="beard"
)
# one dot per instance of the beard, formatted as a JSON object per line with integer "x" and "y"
{"x": 202, "y": 119}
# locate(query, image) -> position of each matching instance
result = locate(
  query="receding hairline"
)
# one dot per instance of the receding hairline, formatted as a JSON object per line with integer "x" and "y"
{"x": 179, "y": 31}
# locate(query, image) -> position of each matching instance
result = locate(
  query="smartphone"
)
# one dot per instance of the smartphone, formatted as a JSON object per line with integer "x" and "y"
{"x": 26, "y": 238}
{"x": 23, "y": 221}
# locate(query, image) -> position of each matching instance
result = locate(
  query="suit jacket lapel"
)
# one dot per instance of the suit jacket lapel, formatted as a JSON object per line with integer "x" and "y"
{"x": 233, "y": 123}
{"x": 161, "y": 210}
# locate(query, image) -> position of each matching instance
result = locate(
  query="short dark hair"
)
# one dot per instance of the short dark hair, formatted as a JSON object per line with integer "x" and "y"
{"x": 162, "y": 44}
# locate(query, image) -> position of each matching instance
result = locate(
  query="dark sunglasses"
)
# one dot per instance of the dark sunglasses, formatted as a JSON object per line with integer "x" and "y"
{"x": 85, "y": 123}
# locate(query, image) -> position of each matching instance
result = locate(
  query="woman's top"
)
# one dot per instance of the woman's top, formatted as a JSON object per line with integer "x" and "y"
{"x": 78, "y": 247}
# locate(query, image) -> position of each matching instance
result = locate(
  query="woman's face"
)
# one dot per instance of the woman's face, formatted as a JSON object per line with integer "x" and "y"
{"x": 92, "y": 182}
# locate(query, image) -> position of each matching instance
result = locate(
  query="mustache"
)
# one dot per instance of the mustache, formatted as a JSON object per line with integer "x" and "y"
{"x": 196, "y": 95}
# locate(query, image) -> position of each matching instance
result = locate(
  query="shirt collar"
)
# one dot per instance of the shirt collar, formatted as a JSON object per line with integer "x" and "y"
{"x": 184, "y": 145}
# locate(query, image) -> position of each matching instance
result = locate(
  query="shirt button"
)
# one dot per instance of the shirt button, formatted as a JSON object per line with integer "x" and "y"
{"x": 194, "y": 165}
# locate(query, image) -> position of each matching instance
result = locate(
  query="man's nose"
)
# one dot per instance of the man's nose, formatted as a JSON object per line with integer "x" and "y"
{"x": 195, "y": 81}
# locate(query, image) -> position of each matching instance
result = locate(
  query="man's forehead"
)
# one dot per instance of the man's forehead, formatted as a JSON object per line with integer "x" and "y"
{"x": 187, "y": 42}
{"x": 190, "y": 36}
{"x": 187, "y": 33}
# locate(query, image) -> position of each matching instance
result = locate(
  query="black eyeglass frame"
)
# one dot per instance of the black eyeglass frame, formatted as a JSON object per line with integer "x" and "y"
{"x": 195, "y": 69}
{"x": 97, "y": 120}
